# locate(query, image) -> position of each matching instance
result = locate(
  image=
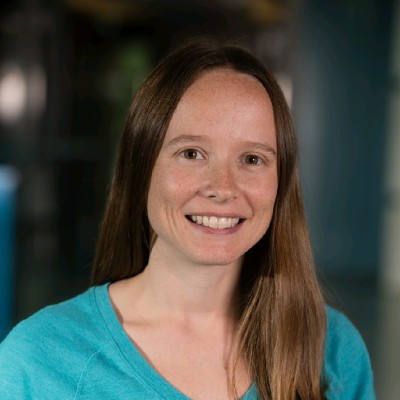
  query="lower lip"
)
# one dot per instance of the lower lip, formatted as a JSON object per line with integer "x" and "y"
{"x": 215, "y": 231}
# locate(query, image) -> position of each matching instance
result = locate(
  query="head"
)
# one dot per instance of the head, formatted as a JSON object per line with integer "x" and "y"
{"x": 129, "y": 234}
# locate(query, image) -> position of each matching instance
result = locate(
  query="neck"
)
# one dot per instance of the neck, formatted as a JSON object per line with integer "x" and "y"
{"x": 174, "y": 288}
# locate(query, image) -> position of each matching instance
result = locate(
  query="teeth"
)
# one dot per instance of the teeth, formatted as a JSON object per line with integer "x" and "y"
{"x": 215, "y": 222}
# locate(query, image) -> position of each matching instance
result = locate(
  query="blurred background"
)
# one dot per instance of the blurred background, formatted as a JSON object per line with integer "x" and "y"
{"x": 68, "y": 71}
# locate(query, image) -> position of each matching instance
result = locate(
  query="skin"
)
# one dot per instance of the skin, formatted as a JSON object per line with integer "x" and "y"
{"x": 218, "y": 159}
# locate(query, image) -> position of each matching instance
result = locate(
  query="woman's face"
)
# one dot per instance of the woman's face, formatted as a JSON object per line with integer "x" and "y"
{"x": 214, "y": 183}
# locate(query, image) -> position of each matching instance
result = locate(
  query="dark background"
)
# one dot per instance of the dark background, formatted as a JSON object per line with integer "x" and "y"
{"x": 70, "y": 68}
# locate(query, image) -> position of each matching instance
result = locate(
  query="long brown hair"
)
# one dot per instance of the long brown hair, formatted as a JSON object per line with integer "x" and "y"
{"x": 281, "y": 330}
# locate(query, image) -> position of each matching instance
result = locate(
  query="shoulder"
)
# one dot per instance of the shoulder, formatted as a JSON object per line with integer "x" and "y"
{"x": 68, "y": 321}
{"x": 51, "y": 346}
{"x": 347, "y": 364}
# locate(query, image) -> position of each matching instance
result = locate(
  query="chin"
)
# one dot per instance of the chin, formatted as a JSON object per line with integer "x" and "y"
{"x": 220, "y": 260}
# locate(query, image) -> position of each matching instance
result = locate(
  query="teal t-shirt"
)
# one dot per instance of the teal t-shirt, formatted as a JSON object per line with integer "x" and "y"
{"x": 78, "y": 350}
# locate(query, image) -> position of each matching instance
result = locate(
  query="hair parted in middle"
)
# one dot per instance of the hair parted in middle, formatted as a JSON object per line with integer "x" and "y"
{"x": 282, "y": 320}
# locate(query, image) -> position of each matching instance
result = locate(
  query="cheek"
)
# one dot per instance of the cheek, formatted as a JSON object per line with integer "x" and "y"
{"x": 263, "y": 203}
{"x": 154, "y": 198}
{"x": 264, "y": 195}
{"x": 167, "y": 188}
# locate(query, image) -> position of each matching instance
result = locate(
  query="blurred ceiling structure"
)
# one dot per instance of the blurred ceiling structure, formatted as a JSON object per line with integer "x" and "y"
{"x": 256, "y": 11}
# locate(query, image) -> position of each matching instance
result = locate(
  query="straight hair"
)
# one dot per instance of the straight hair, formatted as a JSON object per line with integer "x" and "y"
{"x": 282, "y": 319}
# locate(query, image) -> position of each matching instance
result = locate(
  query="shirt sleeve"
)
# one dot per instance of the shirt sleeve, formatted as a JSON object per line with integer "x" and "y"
{"x": 348, "y": 371}
{"x": 32, "y": 365}
{"x": 15, "y": 369}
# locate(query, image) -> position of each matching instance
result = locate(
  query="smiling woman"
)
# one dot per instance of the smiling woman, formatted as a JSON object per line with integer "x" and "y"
{"x": 223, "y": 169}
{"x": 203, "y": 282}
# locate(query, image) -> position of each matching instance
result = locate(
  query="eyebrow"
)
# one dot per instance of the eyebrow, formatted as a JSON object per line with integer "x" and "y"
{"x": 185, "y": 139}
{"x": 199, "y": 138}
{"x": 261, "y": 146}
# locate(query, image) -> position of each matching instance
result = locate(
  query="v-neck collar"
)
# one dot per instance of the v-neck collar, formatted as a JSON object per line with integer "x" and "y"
{"x": 139, "y": 365}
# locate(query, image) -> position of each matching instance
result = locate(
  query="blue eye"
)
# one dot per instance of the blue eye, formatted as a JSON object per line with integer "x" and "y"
{"x": 252, "y": 159}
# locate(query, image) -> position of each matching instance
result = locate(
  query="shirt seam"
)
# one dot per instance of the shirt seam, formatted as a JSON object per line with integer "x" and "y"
{"x": 85, "y": 368}
{"x": 115, "y": 342}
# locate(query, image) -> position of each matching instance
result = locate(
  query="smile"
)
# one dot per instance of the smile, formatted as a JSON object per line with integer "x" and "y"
{"x": 215, "y": 222}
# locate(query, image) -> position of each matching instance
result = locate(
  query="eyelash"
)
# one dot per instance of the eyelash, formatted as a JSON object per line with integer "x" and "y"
{"x": 254, "y": 156}
{"x": 197, "y": 153}
{"x": 199, "y": 156}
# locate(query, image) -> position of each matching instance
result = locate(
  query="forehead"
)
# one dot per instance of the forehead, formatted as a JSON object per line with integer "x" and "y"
{"x": 224, "y": 99}
{"x": 222, "y": 83}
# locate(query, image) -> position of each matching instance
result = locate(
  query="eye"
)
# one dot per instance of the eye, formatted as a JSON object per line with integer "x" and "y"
{"x": 192, "y": 154}
{"x": 252, "y": 159}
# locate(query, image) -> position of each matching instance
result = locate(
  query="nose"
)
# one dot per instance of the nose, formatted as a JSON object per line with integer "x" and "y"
{"x": 220, "y": 184}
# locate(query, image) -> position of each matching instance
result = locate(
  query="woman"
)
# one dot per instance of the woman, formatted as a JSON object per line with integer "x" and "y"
{"x": 203, "y": 281}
